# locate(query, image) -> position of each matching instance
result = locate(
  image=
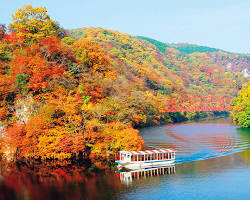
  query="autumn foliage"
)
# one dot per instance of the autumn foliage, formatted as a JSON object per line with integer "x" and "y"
{"x": 241, "y": 107}
{"x": 33, "y": 23}
{"x": 84, "y": 96}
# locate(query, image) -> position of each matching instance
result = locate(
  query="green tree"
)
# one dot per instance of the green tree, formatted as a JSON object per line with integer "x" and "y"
{"x": 68, "y": 40}
{"x": 241, "y": 107}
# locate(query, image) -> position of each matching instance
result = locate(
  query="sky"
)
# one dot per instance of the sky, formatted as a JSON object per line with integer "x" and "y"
{"x": 223, "y": 24}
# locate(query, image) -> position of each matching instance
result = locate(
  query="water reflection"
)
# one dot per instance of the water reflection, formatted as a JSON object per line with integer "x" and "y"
{"x": 128, "y": 177}
{"x": 54, "y": 181}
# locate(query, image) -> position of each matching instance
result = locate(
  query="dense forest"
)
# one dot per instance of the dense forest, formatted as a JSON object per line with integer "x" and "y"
{"x": 86, "y": 91}
{"x": 232, "y": 61}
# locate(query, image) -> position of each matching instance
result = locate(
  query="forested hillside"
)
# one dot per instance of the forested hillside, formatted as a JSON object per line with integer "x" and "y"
{"x": 85, "y": 91}
{"x": 232, "y": 61}
{"x": 187, "y": 74}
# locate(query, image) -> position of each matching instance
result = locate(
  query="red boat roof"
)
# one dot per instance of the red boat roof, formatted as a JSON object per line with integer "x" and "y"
{"x": 150, "y": 151}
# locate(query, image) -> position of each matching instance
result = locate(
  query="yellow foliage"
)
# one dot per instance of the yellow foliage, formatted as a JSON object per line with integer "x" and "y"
{"x": 33, "y": 23}
{"x": 118, "y": 136}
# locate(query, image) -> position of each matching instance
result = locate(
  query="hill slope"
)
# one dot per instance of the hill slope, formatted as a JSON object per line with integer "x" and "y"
{"x": 232, "y": 61}
{"x": 171, "y": 72}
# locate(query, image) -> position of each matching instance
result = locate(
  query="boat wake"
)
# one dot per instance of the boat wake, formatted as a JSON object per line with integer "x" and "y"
{"x": 197, "y": 141}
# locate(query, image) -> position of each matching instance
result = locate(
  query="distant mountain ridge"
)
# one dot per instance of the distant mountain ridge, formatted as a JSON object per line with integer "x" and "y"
{"x": 187, "y": 47}
{"x": 182, "y": 47}
{"x": 236, "y": 62}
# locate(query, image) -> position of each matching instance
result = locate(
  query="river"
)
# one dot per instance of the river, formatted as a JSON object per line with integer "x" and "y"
{"x": 212, "y": 162}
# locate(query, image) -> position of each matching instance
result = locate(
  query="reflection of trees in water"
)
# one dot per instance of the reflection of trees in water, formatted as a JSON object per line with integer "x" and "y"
{"x": 245, "y": 136}
{"x": 245, "y": 155}
{"x": 54, "y": 181}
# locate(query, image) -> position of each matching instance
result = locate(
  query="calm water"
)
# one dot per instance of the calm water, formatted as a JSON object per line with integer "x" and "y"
{"x": 213, "y": 162}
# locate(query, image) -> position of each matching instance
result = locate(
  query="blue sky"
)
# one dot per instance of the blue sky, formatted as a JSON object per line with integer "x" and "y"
{"x": 223, "y": 24}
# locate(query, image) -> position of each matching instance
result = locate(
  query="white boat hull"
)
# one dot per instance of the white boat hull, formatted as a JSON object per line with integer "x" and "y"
{"x": 144, "y": 164}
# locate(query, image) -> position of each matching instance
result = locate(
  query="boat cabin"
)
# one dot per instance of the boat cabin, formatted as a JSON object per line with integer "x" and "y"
{"x": 149, "y": 155}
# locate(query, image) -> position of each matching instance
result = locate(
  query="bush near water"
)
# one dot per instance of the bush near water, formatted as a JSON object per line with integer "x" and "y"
{"x": 241, "y": 107}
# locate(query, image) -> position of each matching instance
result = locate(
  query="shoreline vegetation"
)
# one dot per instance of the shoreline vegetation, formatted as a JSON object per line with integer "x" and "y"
{"x": 241, "y": 107}
{"x": 85, "y": 92}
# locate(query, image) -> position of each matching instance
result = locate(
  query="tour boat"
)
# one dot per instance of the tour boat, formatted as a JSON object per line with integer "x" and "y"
{"x": 143, "y": 159}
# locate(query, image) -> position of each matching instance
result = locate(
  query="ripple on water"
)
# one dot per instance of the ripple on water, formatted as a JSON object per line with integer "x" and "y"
{"x": 197, "y": 141}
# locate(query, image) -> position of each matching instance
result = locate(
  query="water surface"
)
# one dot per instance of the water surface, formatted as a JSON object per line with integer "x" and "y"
{"x": 198, "y": 140}
{"x": 213, "y": 162}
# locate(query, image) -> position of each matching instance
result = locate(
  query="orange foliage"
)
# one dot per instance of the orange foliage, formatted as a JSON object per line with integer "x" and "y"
{"x": 3, "y": 113}
{"x": 93, "y": 57}
{"x": 12, "y": 141}
{"x": 118, "y": 136}
{"x": 36, "y": 69}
